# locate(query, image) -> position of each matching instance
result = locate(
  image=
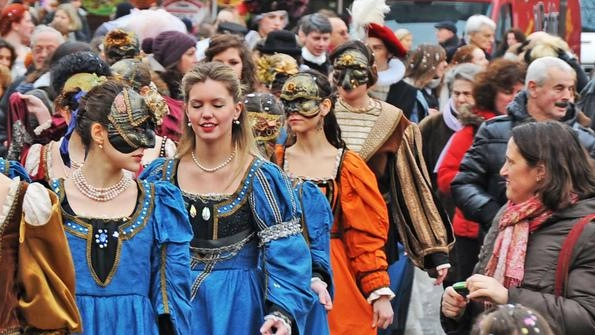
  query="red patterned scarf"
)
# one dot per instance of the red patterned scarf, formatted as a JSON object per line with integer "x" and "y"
{"x": 507, "y": 263}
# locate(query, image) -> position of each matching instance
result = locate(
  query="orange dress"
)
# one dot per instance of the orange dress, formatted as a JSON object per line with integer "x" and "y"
{"x": 358, "y": 237}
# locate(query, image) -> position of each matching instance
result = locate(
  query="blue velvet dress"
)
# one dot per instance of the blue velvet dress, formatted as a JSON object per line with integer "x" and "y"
{"x": 317, "y": 218}
{"x": 249, "y": 257}
{"x": 132, "y": 273}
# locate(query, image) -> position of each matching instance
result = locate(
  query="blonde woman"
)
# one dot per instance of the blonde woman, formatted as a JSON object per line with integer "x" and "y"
{"x": 244, "y": 214}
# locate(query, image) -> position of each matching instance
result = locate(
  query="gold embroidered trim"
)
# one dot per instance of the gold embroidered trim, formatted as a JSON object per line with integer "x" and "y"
{"x": 88, "y": 235}
{"x": 386, "y": 118}
{"x": 163, "y": 280}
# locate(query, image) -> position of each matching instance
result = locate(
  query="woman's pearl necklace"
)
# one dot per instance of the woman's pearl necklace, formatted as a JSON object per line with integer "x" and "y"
{"x": 98, "y": 193}
{"x": 218, "y": 167}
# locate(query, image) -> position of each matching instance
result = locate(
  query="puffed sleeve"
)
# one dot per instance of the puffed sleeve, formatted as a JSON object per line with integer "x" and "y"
{"x": 285, "y": 255}
{"x": 317, "y": 217}
{"x": 34, "y": 162}
{"x": 46, "y": 273}
{"x": 171, "y": 260}
{"x": 154, "y": 171}
{"x": 364, "y": 220}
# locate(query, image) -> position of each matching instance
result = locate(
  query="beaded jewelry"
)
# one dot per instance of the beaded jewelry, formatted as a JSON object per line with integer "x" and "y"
{"x": 99, "y": 193}
{"x": 218, "y": 167}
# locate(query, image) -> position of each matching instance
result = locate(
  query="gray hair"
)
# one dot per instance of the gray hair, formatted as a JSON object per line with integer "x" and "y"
{"x": 40, "y": 29}
{"x": 315, "y": 23}
{"x": 475, "y": 22}
{"x": 538, "y": 71}
{"x": 464, "y": 71}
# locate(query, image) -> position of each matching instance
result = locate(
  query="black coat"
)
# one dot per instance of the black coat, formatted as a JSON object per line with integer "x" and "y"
{"x": 478, "y": 189}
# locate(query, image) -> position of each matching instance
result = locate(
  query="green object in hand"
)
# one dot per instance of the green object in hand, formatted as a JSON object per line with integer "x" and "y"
{"x": 461, "y": 288}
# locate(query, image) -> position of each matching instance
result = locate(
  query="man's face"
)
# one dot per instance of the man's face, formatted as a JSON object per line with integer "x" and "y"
{"x": 552, "y": 98}
{"x": 484, "y": 38}
{"x": 380, "y": 51}
{"x": 272, "y": 21}
{"x": 317, "y": 43}
{"x": 340, "y": 34}
{"x": 442, "y": 35}
{"x": 44, "y": 47}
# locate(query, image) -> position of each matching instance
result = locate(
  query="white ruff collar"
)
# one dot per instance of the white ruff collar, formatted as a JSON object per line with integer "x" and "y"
{"x": 394, "y": 73}
{"x": 307, "y": 55}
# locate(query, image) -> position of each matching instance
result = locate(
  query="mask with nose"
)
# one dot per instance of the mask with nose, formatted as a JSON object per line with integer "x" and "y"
{"x": 351, "y": 70}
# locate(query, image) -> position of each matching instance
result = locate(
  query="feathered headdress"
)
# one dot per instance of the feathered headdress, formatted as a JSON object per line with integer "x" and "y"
{"x": 364, "y": 12}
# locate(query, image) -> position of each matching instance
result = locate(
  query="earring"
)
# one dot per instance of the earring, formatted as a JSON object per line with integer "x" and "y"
{"x": 100, "y": 146}
{"x": 189, "y": 124}
{"x": 236, "y": 122}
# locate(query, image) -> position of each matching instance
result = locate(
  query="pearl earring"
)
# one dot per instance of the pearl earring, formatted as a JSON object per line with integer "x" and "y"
{"x": 189, "y": 124}
{"x": 236, "y": 122}
{"x": 100, "y": 146}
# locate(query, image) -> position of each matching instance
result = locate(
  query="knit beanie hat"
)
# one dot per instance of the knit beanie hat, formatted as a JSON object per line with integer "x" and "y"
{"x": 168, "y": 47}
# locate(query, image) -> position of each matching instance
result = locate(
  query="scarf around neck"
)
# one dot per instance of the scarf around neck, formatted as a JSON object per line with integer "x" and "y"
{"x": 507, "y": 262}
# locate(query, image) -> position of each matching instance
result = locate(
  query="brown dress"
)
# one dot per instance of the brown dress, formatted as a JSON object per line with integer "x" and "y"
{"x": 37, "y": 276}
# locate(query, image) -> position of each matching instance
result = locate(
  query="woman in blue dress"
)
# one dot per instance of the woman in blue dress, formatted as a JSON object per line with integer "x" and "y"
{"x": 251, "y": 268}
{"x": 129, "y": 240}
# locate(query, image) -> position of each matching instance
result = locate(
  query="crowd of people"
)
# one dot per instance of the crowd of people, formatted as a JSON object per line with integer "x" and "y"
{"x": 282, "y": 171}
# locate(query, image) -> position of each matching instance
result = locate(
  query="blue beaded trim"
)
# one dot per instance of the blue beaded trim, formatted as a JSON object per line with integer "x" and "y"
{"x": 79, "y": 228}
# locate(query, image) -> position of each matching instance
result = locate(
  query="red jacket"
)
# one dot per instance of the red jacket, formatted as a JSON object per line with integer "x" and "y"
{"x": 460, "y": 142}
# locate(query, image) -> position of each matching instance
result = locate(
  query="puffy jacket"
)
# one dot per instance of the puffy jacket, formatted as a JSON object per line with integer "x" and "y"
{"x": 459, "y": 144}
{"x": 478, "y": 189}
{"x": 575, "y": 312}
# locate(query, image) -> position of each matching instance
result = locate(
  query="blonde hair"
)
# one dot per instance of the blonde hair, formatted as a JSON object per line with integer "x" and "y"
{"x": 70, "y": 10}
{"x": 242, "y": 136}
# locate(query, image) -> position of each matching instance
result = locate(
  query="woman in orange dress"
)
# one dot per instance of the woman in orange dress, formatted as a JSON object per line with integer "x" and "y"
{"x": 317, "y": 153}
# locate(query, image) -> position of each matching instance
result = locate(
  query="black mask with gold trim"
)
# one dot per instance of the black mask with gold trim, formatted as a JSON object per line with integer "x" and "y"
{"x": 131, "y": 123}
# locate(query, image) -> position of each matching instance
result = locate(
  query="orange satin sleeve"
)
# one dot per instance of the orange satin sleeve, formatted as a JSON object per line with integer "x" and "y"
{"x": 364, "y": 220}
{"x": 46, "y": 275}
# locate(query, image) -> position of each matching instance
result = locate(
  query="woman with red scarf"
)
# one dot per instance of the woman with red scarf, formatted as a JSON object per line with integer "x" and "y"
{"x": 550, "y": 186}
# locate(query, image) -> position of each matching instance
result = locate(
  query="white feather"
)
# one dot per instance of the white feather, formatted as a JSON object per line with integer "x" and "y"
{"x": 364, "y": 12}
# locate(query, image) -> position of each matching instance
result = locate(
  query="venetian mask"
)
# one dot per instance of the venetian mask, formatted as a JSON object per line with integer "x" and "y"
{"x": 131, "y": 123}
{"x": 350, "y": 70}
{"x": 300, "y": 95}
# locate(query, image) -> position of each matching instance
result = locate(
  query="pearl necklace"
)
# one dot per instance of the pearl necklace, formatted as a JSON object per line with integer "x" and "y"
{"x": 99, "y": 193}
{"x": 218, "y": 167}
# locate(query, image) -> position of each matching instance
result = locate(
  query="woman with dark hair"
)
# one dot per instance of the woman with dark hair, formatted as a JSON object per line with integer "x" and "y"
{"x": 359, "y": 233}
{"x": 391, "y": 146}
{"x": 173, "y": 54}
{"x": 513, "y": 36}
{"x": 128, "y": 239}
{"x": 251, "y": 268}
{"x": 8, "y": 54}
{"x": 60, "y": 151}
{"x": 138, "y": 75}
{"x": 532, "y": 254}
{"x": 232, "y": 50}
{"x": 494, "y": 89}
{"x": 16, "y": 27}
